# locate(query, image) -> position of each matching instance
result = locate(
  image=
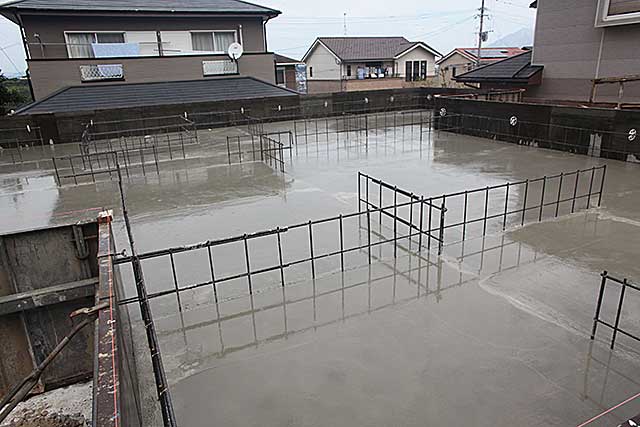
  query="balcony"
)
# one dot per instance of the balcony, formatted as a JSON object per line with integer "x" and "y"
{"x": 50, "y": 75}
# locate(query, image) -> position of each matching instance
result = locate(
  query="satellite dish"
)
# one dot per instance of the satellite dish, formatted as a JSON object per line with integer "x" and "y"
{"x": 235, "y": 51}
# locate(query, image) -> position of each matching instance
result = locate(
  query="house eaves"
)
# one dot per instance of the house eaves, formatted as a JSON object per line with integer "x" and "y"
{"x": 235, "y": 7}
{"x": 415, "y": 46}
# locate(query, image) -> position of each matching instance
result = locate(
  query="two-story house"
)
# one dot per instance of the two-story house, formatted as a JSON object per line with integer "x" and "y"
{"x": 347, "y": 64}
{"x": 97, "y": 42}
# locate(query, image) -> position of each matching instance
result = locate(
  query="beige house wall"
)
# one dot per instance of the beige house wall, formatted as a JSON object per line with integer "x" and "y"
{"x": 462, "y": 64}
{"x": 51, "y": 75}
{"x": 573, "y": 52}
{"x": 325, "y": 65}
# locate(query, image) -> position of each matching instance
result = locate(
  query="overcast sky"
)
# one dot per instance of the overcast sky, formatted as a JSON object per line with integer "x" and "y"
{"x": 441, "y": 24}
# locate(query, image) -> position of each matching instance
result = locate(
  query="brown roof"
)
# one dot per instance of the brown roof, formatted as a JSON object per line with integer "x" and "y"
{"x": 369, "y": 48}
{"x": 281, "y": 59}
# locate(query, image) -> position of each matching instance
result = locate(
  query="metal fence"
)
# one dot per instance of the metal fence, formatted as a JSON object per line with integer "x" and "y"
{"x": 615, "y": 327}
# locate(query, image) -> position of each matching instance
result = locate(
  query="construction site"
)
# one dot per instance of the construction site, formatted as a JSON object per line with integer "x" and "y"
{"x": 396, "y": 261}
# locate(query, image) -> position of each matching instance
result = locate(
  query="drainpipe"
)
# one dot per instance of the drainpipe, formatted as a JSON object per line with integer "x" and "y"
{"x": 27, "y": 53}
{"x": 264, "y": 32}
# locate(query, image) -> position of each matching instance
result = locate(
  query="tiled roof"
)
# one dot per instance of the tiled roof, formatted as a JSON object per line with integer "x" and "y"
{"x": 518, "y": 68}
{"x": 368, "y": 48}
{"x": 211, "y": 6}
{"x": 487, "y": 54}
{"x": 106, "y": 97}
{"x": 281, "y": 59}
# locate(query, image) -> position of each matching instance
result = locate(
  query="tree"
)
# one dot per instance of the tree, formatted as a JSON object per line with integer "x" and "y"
{"x": 9, "y": 98}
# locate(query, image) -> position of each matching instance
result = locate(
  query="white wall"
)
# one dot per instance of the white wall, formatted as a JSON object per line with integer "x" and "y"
{"x": 323, "y": 63}
{"x": 417, "y": 54}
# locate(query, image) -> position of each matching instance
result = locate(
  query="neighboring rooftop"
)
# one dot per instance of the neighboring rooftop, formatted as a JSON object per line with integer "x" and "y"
{"x": 487, "y": 54}
{"x": 113, "y": 96}
{"x": 281, "y": 59}
{"x": 517, "y": 69}
{"x": 368, "y": 48}
{"x": 209, "y": 6}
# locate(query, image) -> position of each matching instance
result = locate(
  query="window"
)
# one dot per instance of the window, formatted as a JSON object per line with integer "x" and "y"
{"x": 80, "y": 45}
{"x": 348, "y": 70}
{"x": 453, "y": 71}
{"x": 219, "y": 68}
{"x": 212, "y": 41}
{"x": 617, "y": 12}
{"x": 281, "y": 76}
{"x": 415, "y": 70}
{"x": 408, "y": 71}
{"x": 310, "y": 71}
{"x": 423, "y": 70}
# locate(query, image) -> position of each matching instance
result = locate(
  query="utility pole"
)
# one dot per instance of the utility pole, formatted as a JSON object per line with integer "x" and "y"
{"x": 480, "y": 34}
{"x": 345, "y": 23}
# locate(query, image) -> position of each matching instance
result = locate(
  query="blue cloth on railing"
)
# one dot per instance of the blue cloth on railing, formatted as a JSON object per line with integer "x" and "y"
{"x": 115, "y": 50}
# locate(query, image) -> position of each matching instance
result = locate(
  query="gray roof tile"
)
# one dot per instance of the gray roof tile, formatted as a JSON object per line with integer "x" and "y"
{"x": 212, "y": 6}
{"x": 517, "y": 67}
{"x": 364, "y": 48}
{"x": 112, "y": 96}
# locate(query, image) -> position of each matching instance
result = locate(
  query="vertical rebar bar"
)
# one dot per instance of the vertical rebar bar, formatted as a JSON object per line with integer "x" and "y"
{"x": 544, "y": 187}
{"x": 213, "y": 274}
{"x": 593, "y": 174}
{"x": 380, "y": 203}
{"x": 618, "y": 313}
{"x": 524, "y": 205}
{"x": 395, "y": 221}
{"x": 430, "y": 221}
{"x": 280, "y": 261}
{"x": 248, "y": 265}
{"x": 341, "y": 245}
{"x": 486, "y": 212}
{"x": 421, "y": 223}
{"x": 175, "y": 280}
{"x": 464, "y": 215}
{"x": 369, "y": 234}
{"x": 73, "y": 171}
{"x": 55, "y": 167}
{"x": 559, "y": 194}
{"x": 575, "y": 192}
{"x": 604, "y": 173}
{"x": 442, "y": 218}
{"x": 506, "y": 207}
{"x": 411, "y": 220}
{"x": 313, "y": 263}
{"x": 596, "y": 317}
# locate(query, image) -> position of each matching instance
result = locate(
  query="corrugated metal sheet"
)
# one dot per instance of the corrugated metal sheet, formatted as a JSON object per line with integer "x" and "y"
{"x": 104, "y": 97}
{"x": 213, "y": 6}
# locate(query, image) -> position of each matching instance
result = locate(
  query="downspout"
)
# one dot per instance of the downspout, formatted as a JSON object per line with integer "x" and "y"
{"x": 264, "y": 32}
{"x": 27, "y": 53}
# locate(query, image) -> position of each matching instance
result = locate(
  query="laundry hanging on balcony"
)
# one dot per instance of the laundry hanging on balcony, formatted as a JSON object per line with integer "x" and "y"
{"x": 115, "y": 50}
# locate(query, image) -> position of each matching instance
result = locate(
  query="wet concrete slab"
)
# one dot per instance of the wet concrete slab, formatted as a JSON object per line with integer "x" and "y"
{"x": 495, "y": 332}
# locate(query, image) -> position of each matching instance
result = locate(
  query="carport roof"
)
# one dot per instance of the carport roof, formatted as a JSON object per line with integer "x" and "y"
{"x": 113, "y": 96}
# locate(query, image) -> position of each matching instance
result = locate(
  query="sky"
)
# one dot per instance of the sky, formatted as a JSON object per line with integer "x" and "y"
{"x": 443, "y": 25}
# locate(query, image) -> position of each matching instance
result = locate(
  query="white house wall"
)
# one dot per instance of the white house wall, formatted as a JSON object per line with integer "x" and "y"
{"x": 323, "y": 63}
{"x": 417, "y": 54}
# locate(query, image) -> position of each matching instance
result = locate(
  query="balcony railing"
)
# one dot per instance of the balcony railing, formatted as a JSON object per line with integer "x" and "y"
{"x": 100, "y": 72}
{"x": 219, "y": 67}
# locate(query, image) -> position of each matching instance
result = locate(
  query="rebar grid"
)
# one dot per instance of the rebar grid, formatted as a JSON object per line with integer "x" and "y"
{"x": 105, "y": 163}
{"x": 615, "y": 327}
{"x": 14, "y": 142}
{"x": 498, "y": 201}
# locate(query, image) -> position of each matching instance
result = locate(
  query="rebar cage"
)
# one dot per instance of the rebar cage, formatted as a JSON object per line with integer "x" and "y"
{"x": 284, "y": 256}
